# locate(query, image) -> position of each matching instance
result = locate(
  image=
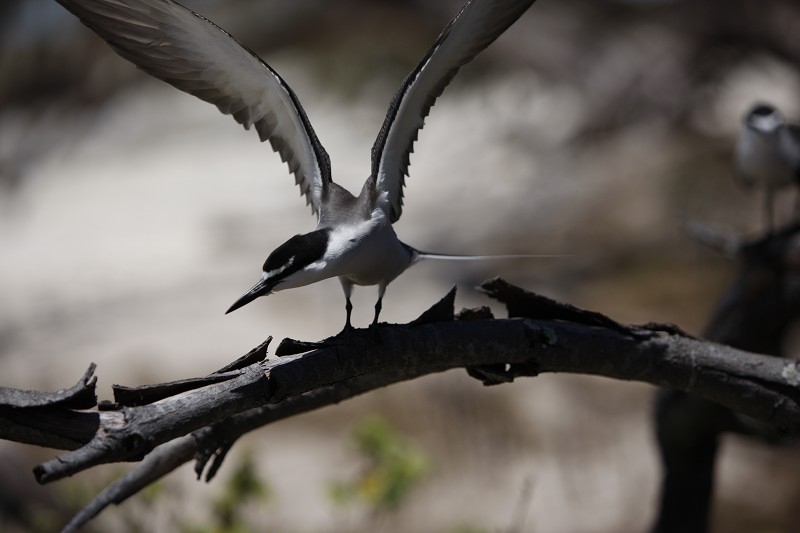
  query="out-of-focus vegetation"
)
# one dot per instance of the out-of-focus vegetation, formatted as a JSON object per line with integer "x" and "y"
{"x": 392, "y": 467}
{"x": 243, "y": 487}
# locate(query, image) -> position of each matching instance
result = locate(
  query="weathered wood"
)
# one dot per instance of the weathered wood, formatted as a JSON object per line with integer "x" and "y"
{"x": 204, "y": 422}
{"x": 763, "y": 387}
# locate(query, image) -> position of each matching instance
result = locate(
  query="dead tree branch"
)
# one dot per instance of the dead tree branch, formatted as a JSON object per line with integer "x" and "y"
{"x": 203, "y": 417}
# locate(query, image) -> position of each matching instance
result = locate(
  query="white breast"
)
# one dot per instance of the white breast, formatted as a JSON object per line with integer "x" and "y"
{"x": 368, "y": 254}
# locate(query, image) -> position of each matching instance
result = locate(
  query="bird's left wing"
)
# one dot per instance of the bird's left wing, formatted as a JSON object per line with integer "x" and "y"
{"x": 475, "y": 27}
{"x": 174, "y": 44}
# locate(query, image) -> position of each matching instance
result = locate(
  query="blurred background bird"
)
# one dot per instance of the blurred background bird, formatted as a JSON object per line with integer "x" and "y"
{"x": 767, "y": 154}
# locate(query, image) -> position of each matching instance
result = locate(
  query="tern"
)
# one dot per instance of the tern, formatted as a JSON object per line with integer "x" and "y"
{"x": 767, "y": 153}
{"x": 354, "y": 239}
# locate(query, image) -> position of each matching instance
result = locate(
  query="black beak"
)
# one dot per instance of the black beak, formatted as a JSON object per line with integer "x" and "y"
{"x": 262, "y": 288}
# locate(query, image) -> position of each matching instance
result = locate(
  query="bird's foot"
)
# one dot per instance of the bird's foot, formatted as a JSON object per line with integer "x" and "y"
{"x": 375, "y": 331}
{"x": 348, "y": 331}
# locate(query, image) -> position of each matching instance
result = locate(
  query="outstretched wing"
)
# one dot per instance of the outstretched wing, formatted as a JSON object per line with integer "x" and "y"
{"x": 191, "y": 53}
{"x": 474, "y": 28}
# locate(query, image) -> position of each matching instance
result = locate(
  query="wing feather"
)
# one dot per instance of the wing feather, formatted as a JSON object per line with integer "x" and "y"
{"x": 475, "y": 27}
{"x": 191, "y": 53}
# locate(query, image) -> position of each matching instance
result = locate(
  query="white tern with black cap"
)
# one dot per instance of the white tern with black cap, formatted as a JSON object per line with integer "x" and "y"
{"x": 354, "y": 239}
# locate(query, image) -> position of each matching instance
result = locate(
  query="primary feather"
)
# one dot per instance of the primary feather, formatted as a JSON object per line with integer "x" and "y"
{"x": 475, "y": 27}
{"x": 191, "y": 53}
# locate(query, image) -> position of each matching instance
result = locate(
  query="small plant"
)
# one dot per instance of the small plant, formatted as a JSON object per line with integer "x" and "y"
{"x": 392, "y": 468}
{"x": 243, "y": 486}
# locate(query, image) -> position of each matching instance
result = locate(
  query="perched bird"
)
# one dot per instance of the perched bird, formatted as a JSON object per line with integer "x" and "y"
{"x": 354, "y": 239}
{"x": 767, "y": 153}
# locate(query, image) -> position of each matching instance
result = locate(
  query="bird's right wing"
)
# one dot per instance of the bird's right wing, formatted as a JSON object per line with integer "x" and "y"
{"x": 191, "y": 53}
{"x": 475, "y": 27}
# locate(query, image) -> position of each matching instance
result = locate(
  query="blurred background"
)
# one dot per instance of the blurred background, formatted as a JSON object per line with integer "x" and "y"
{"x": 132, "y": 215}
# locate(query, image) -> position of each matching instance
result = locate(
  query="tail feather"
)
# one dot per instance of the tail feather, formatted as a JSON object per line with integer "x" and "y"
{"x": 425, "y": 256}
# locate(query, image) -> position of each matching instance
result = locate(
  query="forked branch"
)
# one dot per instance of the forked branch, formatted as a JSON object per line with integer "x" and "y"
{"x": 203, "y": 417}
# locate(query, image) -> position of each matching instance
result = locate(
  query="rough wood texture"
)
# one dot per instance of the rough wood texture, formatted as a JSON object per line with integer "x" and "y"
{"x": 205, "y": 421}
{"x": 47, "y": 418}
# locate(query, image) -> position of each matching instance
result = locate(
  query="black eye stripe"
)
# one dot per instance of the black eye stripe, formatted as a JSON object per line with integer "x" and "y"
{"x": 298, "y": 252}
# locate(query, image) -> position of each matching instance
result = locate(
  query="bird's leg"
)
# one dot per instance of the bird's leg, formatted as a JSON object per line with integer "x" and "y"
{"x": 378, "y": 307}
{"x": 379, "y": 304}
{"x": 348, "y": 307}
{"x": 347, "y": 287}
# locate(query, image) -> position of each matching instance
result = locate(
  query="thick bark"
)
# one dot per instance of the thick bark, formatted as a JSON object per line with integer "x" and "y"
{"x": 202, "y": 417}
